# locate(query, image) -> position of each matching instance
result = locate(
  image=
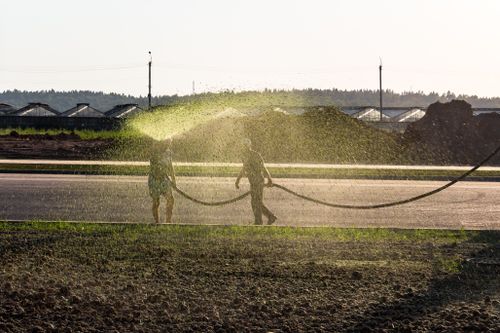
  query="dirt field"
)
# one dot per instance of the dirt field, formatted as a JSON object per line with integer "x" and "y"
{"x": 115, "y": 278}
{"x": 61, "y": 146}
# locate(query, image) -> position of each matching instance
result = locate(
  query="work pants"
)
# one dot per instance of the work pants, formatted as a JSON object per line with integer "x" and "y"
{"x": 257, "y": 194}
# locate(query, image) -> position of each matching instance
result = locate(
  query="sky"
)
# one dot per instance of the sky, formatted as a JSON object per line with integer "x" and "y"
{"x": 102, "y": 45}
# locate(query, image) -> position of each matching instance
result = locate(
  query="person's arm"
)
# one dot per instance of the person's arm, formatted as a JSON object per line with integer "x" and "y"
{"x": 172, "y": 175}
{"x": 240, "y": 175}
{"x": 171, "y": 172}
{"x": 268, "y": 176}
{"x": 266, "y": 173}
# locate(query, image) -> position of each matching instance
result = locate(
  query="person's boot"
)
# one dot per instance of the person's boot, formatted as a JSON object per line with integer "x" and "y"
{"x": 271, "y": 219}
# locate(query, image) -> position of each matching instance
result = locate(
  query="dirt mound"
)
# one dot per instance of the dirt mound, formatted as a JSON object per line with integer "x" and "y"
{"x": 319, "y": 135}
{"x": 454, "y": 134}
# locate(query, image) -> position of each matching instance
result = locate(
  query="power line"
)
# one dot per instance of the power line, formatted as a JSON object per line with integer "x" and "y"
{"x": 76, "y": 70}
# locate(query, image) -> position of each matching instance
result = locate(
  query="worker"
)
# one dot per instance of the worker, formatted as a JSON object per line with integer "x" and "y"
{"x": 256, "y": 172}
{"x": 161, "y": 178}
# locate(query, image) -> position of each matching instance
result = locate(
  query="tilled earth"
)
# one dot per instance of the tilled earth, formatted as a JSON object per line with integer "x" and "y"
{"x": 231, "y": 279}
{"x": 60, "y": 146}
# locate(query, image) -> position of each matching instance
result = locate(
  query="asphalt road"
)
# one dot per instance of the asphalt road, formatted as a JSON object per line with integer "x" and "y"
{"x": 471, "y": 205}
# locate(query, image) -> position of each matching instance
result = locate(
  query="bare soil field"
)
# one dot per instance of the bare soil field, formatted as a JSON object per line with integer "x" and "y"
{"x": 114, "y": 278}
{"x": 61, "y": 146}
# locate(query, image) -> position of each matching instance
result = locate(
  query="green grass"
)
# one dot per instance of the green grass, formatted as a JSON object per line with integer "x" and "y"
{"x": 125, "y": 133}
{"x": 177, "y": 236}
{"x": 239, "y": 232}
{"x": 233, "y": 171}
{"x": 449, "y": 265}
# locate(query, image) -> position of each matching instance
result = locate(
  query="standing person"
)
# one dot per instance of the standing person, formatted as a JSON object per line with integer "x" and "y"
{"x": 161, "y": 178}
{"x": 256, "y": 171}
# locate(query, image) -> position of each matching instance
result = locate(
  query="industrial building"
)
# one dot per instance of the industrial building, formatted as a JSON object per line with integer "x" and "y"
{"x": 6, "y": 109}
{"x": 82, "y": 110}
{"x": 36, "y": 110}
{"x": 369, "y": 114}
{"x": 123, "y": 111}
{"x": 411, "y": 115}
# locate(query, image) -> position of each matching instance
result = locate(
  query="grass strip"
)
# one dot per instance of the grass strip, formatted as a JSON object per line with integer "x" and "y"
{"x": 233, "y": 171}
{"x": 127, "y": 133}
{"x": 268, "y": 232}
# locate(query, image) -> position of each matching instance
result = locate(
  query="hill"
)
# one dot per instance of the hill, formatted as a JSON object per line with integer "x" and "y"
{"x": 213, "y": 131}
{"x": 319, "y": 135}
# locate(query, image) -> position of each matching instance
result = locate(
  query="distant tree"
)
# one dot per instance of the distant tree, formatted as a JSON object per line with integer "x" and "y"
{"x": 307, "y": 97}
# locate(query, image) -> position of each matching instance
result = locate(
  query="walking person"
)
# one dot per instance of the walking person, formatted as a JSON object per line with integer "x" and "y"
{"x": 256, "y": 172}
{"x": 161, "y": 178}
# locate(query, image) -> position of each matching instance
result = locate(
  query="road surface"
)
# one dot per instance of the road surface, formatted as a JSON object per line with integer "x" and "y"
{"x": 471, "y": 205}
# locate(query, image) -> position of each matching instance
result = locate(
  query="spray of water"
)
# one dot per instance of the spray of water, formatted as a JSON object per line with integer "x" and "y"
{"x": 170, "y": 121}
{"x": 209, "y": 129}
{"x": 212, "y": 129}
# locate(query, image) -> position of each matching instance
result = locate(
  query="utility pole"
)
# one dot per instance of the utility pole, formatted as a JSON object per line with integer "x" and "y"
{"x": 380, "y": 87}
{"x": 194, "y": 90}
{"x": 149, "y": 86}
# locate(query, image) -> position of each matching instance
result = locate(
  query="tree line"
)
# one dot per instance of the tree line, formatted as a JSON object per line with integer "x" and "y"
{"x": 63, "y": 100}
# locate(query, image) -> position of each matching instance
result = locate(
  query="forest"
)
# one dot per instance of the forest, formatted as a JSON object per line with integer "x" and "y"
{"x": 63, "y": 100}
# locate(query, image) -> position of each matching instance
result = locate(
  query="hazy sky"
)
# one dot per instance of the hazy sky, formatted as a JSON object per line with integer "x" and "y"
{"x": 436, "y": 45}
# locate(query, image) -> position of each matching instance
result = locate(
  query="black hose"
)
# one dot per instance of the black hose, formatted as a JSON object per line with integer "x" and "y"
{"x": 207, "y": 203}
{"x": 321, "y": 202}
{"x": 390, "y": 204}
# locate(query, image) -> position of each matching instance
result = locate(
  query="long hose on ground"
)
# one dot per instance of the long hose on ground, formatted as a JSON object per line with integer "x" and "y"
{"x": 321, "y": 202}
{"x": 210, "y": 203}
